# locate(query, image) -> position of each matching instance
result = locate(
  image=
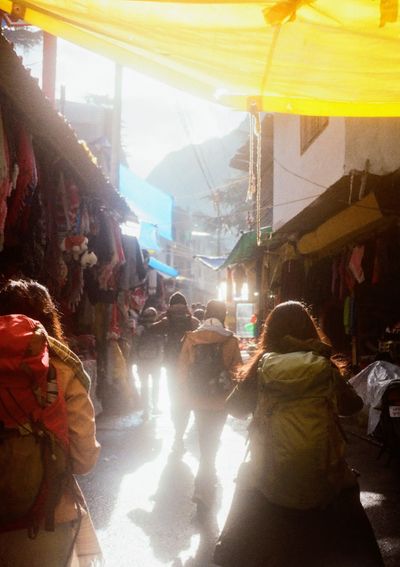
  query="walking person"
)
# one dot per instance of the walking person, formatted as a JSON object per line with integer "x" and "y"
{"x": 209, "y": 356}
{"x": 149, "y": 354}
{"x": 176, "y": 321}
{"x": 199, "y": 314}
{"x": 297, "y": 501}
{"x": 32, "y": 344}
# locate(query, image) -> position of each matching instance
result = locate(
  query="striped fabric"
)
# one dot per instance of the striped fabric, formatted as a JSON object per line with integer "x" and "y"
{"x": 71, "y": 359}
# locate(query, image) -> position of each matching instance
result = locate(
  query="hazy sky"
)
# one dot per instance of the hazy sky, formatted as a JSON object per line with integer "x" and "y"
{"x": 156, "y": 119}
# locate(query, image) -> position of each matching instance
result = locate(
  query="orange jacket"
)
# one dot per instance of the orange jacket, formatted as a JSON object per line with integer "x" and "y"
{"x": 210, "y": 332}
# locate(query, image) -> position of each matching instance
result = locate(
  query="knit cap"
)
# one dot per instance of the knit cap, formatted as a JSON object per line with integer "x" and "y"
{"x": 177, "y": 298}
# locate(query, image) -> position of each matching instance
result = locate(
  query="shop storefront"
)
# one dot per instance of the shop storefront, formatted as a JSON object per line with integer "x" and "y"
{"x": 341, "y": 257}
{"x": 60, "y": 224}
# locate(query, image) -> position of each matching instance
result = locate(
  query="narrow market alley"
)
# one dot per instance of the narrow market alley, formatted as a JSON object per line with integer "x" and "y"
{"x": 140, "y": 492}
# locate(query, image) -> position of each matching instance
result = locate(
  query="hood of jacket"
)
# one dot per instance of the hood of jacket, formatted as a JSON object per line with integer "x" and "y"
{"x": 211, "y": 331}
{"x": 296, "y": 373}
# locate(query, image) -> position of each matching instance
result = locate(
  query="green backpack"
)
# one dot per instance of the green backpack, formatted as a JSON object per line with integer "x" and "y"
{"x": 297, "y": 439}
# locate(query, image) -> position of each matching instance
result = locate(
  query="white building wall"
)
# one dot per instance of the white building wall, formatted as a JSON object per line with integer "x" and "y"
{"x": 375, "y": 139}
{"x": 299, "y": 179}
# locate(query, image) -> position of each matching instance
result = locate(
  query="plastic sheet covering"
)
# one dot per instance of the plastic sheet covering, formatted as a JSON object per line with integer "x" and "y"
{"x": 164, "y": 269}
{"x": 314, "y": 57}
{"x": 212, "y": 262}
{"x": 152, "y": 205}
{"x": 371, "y": 383}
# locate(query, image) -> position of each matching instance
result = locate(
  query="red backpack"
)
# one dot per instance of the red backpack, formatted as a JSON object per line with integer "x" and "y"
{"x": 33, "y": 428}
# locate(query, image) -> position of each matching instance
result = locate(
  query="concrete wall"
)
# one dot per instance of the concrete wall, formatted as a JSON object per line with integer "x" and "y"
{"x": 299, "y": 179}
{"x": 375, "y": 139}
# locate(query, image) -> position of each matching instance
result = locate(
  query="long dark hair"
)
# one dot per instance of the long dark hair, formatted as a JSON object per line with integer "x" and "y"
{"x": 290, "y": 318}
{"x": 30, "y": 298}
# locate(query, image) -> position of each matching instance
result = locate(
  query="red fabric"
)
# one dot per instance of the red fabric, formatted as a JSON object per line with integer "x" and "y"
{"x": 4, "y": 180}
{"x": 26, "y": 181}
{"x": 24, "y": 371}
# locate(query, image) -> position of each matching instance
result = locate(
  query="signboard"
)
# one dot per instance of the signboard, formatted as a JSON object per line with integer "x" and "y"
{"x": 245, "y": 320}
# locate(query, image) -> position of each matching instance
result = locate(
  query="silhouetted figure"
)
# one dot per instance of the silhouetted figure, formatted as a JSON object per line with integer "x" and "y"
{"x": 149, "y": 354}
{"x": 174, "y": 324}
{"x": 297, "y": 501}
{"x": 209, "y": 356}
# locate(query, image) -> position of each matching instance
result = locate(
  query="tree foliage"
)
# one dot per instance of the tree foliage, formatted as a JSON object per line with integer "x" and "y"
{"x": 232, "y": 211}
{"x": 24, "y": 37}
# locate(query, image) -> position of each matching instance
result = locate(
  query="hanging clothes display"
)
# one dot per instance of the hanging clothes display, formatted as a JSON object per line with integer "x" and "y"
{"x": 5, "y": 185}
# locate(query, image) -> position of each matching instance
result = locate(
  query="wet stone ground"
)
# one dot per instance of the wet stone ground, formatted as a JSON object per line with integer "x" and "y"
{"x": 140, "y": 492}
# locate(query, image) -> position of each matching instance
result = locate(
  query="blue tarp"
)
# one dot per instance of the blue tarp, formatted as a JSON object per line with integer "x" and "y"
{"x": 150, "y": 204}
{"x": 148, "y": 236}
{"x": 163, "y": 268}
{"x": 213, "y": 262}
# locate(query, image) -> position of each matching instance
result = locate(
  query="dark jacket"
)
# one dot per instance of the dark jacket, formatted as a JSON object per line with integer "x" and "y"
{"x": 175, "y": 323}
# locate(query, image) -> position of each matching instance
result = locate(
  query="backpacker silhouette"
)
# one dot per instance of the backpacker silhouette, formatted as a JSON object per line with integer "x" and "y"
{"x": 33, "y": 428}
{"x": 207, "y": 374}
{"x": 178, "y": 325}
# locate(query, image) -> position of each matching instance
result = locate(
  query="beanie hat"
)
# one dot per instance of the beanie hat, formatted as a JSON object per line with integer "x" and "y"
{"x": 150, "y": 314}
{"x": 177, "y": 298}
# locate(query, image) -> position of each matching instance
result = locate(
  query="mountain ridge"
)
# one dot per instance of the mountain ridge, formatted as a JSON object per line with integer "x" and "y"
{"x": 191, "y": 173}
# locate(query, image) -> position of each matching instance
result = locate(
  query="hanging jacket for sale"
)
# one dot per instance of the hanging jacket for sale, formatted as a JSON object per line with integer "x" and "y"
{"x": 33, "y": 428}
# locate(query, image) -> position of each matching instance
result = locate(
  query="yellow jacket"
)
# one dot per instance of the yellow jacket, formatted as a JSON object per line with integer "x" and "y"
{"x": 84, "y": 448}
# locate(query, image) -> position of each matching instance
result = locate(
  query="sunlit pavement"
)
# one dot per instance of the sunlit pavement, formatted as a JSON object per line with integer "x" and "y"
{"x": 380, "y": 492}
{"x": 140, "y": 493}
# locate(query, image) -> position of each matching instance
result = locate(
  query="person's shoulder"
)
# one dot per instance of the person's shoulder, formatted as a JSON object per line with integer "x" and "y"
{"x": 65, "y": 372}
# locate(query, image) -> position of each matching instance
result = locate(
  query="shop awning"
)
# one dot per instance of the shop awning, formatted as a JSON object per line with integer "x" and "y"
{"x": 213, "y": 262}
{"x": 339, "y": 216}
{"x": 246, "y": 247}
{"x": 164, "y": 269}
{"x": 293, "y": 56}
{"x": 338, "y": 230}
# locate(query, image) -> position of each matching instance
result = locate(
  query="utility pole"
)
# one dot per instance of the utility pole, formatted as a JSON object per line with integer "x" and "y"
{"x": 217, "y": 202}
{"x": 116, "y": 127}
{"x": 217, "y": 205}
{"x": 49, "y": 67}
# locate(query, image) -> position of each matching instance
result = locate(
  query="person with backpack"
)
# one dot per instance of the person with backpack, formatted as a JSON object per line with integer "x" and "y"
{"x": 297, "y": 501}
{"x": 209, "y": 356}
{"x": 47, "y": 435}
{"x": 149, "y": 352}
{"x": 173, "y": 325}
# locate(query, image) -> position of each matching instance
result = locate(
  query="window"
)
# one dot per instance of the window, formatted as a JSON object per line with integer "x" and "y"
{"x": 310, "y": 128}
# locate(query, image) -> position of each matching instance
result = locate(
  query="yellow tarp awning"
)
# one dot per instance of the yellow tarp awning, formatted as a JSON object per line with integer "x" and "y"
{"x": 341, "y": 228}
{"x": 299, "y": 56}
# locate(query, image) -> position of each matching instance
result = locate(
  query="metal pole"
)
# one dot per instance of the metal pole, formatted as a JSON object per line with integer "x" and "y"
{"x": 116, "y": 127}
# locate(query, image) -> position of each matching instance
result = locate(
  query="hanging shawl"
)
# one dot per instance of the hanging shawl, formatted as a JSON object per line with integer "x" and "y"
{"x": 4, "y": 180}
{"x": 26, "y": 183}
